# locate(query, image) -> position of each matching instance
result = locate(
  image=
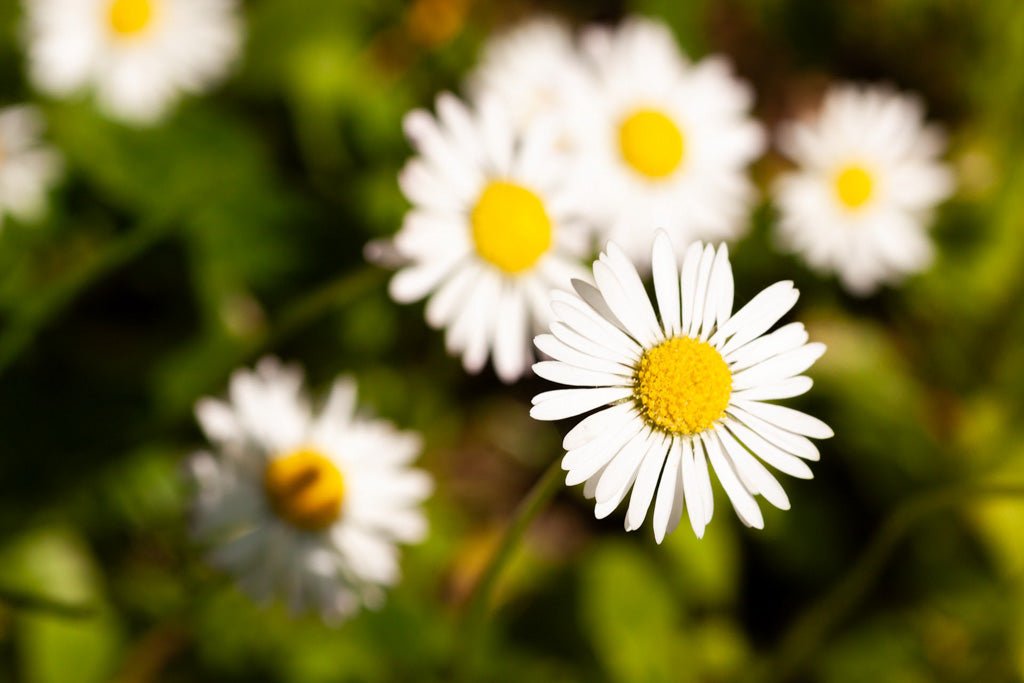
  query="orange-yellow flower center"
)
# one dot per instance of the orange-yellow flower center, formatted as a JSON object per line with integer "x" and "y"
{"x": 130, "y": 17}
{"x": 305, "y": 489}
{"x": 854, "y": 186}
{"x": 682, "y": 385}
{"x": 651, "y": 143}
{"x": 511, "y": 227}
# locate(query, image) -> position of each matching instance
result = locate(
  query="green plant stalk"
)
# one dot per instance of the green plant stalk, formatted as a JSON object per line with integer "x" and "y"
{"x": 810, "y": 630}
{"x": 480, "y": 600}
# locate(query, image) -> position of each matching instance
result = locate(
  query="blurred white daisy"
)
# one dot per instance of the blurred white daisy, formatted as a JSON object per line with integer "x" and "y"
{"x": 868, "y": 177}
{"x": 677, "y": 388}
{"x": 27, "y": 167}
{"x": 304, "y": 505}
{"x": 535, "y": 69}
{"x": 137, "y": 55}
{"x": 494, "y": 226}
{"x": 668, "y": 142}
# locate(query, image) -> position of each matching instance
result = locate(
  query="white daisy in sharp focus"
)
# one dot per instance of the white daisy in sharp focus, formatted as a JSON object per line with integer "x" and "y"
{"x": 868, "y": 178}
{"x": 27, "y": 166}
{"x": 305, "y": 505}
{"x": 534, "y": 69}
{"x": 495, "y": 225}
{"x": 668, "y": 141}
{"x": 681, "y": 390}
{"x": 138, "y": 56}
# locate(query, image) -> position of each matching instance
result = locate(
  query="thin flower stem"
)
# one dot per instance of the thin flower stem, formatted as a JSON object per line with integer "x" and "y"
{"x": 480, "y": 600}
{"x": 27, "y": 321}
{"x": 810, "y": 630}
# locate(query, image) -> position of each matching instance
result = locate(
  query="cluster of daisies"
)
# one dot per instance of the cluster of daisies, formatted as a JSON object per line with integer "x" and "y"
{"x": 564, "y": 144}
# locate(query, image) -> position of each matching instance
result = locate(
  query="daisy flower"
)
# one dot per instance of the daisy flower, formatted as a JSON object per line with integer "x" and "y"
{"x": 494, "y": 226}
{"x": 868, "y": 177}
{"x": 27, "y": 167}
{"x": 680, "y": 391}
{"x": 305, "y": 505}
{"x": 535, "y": 69}
{"x": 668, "y": 141}
{"x": 138, "y": 55}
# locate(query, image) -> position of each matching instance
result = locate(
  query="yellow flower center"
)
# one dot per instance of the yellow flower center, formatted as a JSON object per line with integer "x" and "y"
{"x": 682, "y": 385}
{"x": 511, "y": 228}
{"x": 130, "y": 17}
{"x": 651, "y": 143}
{"x": 305, "y": 489}
{"x": 854, "y": 186}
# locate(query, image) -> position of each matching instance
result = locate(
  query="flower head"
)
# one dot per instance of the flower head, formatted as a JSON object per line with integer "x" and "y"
{"x": 868, "y": 176}
{"x": 494, "y": 226}
{"x": 668, "y": 141}
{"x": 680, "y": 390}
{"x": 137, "y": 55}
{"x": 304, "y": 505}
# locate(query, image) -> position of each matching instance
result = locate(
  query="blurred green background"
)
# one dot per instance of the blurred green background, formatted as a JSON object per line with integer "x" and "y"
{"x": 172, "y": 255}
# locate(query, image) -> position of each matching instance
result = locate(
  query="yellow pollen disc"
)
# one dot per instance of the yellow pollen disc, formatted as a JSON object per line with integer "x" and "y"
{"x": 854, "y": 186}
{"x": 651, "y": 143}
{"x": 511, "y": 227}
{"x": 682, "y": 385}
{"x": 305, "y": 489}
{"x": 130, "y": 17}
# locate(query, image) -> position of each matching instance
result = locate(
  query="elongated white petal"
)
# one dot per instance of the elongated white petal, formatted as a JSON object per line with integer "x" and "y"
{"x": 692, "y": 489}
{"x": 581, "y": 318}
{"x": 562, "y": 403}
{"x": 779, "y": 367}
{"x": 630, "y": 280}
{"x": 760, "y": 323}
{"x": 666, "y": 285}
{"x": 688, "y": 282}
{"x": 574, "y": 339}
{"x": 778, "y": 298}
{"x": 707, "y": 259}
{"x": 721, "y": 272}
{"x": 624, "y": 308}
{"x": 786, "y": 338}
{"x": 668, "y": 498}
{"x": 787, "y": 388}
{"x": 796, "y": 444}
{"x": 598, "y": 424}
{"x": 744, "y": 503}
{"x": 726, "y": 287}
{"x": 771, "y": 454}
{"x": 707, "y": 495}
{"x": 586, "y": 461}
{"x": 646, "y": 481}
{"x": 552, "y": 346}
{"x": 623, "y": 466}
{"x": 752, "y": 472}
{"x": 788, "y": 419}
{"x": 563, "y": 373}
{"x": 592, "y": 296}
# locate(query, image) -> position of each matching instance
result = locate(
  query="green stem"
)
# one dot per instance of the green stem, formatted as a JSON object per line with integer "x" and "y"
{"x": 815, "y": 624}
{"x": 28, "y": 320}
{"x": 480, "y": 601}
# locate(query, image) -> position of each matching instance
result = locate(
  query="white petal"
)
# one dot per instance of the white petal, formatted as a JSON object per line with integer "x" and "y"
{"x": 758, "y": 315}
{"x": 780, "y": 367}
{"x": 758, "y": 479}
{"x": 646, "y": 482}
{"x": 688, "y": 282}
{"x": 594, "y": 426}
{"x": 669, "y": 499}
{"x": 666, "y": 285}
{"x": 562, "y": 403}
{"x": 725, "y": 286}
{"x": 574, "y": 339}
{"x": 624, "y": 308}
{"x": 586, "y": 322}
{"x": 786, "y": 338}
{"x": 692, "y": 487}
{"x": 630, "y": 280}
{"x": 563, "y": 373}
{"x": 511, "y": 345}
{"x": 586, "y": 461}
{"x": 744, "y": 503}
{"x": 623, "y": 466}
{"x": 788, "y": 419}
{"x": 707, "y": 259}
{"x": 787, "y": 388}
{"x": 771, "y": 454}
{"x": 559, "y": 350}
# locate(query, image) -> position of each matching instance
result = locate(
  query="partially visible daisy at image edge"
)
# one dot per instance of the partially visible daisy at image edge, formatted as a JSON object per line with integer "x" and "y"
{"x": 137, "y": 56}
{"x": 681, "y": 389}
{"x": 494, "y": 226}
{"x": 868, "y": 176}
{"x": 300, "y": 504}
{"x": 28, "y": 167}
